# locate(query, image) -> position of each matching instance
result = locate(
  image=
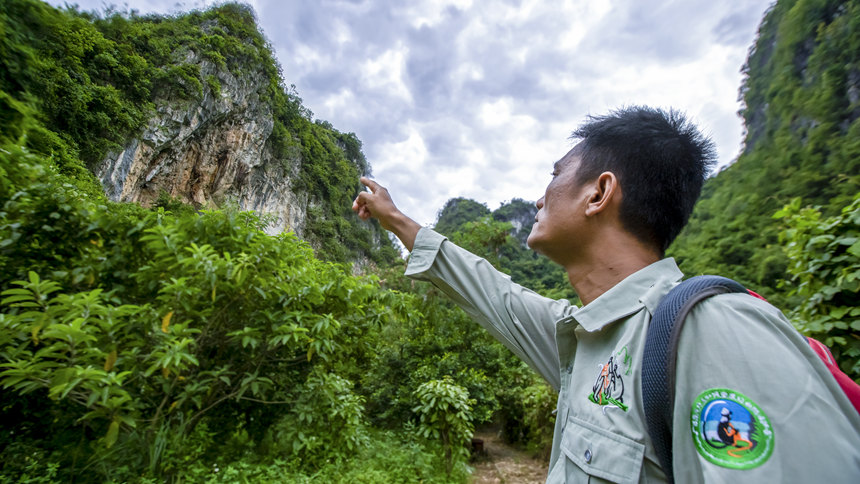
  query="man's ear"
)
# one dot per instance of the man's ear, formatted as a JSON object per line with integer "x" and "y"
{"x": 605, "y": 190}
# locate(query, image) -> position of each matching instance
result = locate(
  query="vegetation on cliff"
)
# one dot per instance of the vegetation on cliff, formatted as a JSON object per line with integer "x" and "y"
{"x": 500, "y": 237}
{"x": 801, "y": 97}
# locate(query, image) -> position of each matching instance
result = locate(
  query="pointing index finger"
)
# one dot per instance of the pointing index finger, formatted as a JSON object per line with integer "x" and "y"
{"x": 369, "y": 184}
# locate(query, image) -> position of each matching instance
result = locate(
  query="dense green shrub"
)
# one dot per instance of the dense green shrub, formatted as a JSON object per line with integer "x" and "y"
{"x": 825, "y": 268}
{"x": 325, "y": 422}
{"x": 144, "y": 328}
{"x": 527, "y": 410}
{"x": 389, "y": 457}
{"x": 444, "y": 409}
{"x": 156, "y": 342}
{"x": 427, "y": 338}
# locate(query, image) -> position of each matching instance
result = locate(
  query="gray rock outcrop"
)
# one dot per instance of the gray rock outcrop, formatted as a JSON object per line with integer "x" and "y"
{"x": 210, "y": 150}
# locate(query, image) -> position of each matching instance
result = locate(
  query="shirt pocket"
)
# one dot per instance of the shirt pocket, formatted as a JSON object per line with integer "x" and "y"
{"x": 600, "y": 455}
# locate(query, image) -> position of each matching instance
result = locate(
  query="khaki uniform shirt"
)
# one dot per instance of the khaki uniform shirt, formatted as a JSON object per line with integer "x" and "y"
{"x": 739, "y": 361}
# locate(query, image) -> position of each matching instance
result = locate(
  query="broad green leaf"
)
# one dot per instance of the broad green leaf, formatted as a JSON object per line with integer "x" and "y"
{"x": 855, "y": 249}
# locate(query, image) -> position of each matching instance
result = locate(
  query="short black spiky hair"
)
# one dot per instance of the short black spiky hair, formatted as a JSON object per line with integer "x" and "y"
{"x": 661, "y": 161}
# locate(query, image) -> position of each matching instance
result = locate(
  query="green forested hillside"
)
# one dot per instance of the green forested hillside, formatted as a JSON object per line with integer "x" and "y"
{"x": 801, "y": 98}
{"x": 801, "y": 110}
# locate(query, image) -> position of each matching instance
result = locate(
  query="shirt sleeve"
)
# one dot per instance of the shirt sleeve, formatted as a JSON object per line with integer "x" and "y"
{"x": 754, "y": 403}
{"x": 519, "y": 318}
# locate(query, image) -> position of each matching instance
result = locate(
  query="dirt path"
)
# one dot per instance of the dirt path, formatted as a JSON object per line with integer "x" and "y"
{"x": 505, "y": 465}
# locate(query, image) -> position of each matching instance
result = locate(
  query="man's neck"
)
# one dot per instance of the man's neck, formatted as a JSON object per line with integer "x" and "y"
{"x": 608, "y": 265}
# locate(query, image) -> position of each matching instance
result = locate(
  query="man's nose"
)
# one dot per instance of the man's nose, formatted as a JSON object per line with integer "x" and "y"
{"x": 539, "y": 203}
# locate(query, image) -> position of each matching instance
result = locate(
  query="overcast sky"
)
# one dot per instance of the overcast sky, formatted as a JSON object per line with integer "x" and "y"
{"x": 477, "y": 98}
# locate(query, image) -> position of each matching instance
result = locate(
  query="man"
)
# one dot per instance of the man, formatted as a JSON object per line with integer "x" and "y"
{"x": 615, "y": 203}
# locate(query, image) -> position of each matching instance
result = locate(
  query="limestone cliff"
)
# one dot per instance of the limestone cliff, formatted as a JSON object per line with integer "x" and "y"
{"x": 209, "y": 150}
{"x": 193, "y": 106}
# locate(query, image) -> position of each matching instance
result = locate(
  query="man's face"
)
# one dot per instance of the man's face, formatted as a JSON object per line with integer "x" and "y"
{"x": 560, "y": 217}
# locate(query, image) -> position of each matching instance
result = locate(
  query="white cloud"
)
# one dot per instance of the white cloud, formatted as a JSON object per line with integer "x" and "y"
{"x": 468, "y": 71}
{"x": 340, "y": 102}
{"x": 342, "y": 34}
{"x": 411, "y": 152}
{"x": 385, "y": 73}
{"x": 494, "y": 113}
{"x": 304, "y": 56}
{"x": 430, "y": 13}
{"x": 581, "y": 16}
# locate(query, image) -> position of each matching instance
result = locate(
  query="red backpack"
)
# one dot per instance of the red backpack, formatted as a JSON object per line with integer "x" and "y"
{"x": 851, "y": 388}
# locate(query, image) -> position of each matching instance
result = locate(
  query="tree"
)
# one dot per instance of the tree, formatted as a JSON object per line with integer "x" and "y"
{"x": 445, "y": 411}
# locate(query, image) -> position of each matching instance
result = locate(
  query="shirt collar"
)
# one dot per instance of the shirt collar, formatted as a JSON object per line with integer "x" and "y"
{"x": 643, "y": 288}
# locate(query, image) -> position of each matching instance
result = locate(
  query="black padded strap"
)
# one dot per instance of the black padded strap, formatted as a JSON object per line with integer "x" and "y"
{"x": 661, "y": 348}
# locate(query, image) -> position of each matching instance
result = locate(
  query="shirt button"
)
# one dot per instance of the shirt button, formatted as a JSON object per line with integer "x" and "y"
{"x": 588, "y": 456}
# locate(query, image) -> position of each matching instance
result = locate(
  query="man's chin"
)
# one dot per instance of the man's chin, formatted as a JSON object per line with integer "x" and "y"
{"x": 533, "y": 242}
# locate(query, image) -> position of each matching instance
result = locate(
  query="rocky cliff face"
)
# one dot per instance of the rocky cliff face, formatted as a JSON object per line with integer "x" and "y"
{"x": 208, "y": 151}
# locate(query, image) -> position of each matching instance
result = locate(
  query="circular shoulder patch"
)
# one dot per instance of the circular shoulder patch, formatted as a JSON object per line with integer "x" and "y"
{"x": 730, "y": 430}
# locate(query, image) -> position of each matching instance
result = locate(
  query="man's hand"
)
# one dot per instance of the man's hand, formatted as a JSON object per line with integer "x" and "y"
{"x": 378, "y": 204}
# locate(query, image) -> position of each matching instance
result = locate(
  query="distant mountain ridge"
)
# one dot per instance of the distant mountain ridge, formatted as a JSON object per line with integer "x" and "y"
{"x": 500, "y": 235}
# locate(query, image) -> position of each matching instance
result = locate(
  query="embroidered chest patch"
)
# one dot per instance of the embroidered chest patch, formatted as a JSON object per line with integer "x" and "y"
{"x": 730, "y": 430}
{"x": 608, "y": 389}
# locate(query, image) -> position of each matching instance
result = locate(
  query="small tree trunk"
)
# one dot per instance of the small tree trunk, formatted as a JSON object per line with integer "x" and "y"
{"x": 446, "y": 444}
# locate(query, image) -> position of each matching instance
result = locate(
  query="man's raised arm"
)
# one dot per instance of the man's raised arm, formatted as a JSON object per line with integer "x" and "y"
{"x": 521, "y": 319}
{"x": 377, "y": 203}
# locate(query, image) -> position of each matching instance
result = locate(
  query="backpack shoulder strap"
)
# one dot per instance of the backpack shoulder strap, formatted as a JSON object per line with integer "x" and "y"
{"x": 661, "y": 347}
